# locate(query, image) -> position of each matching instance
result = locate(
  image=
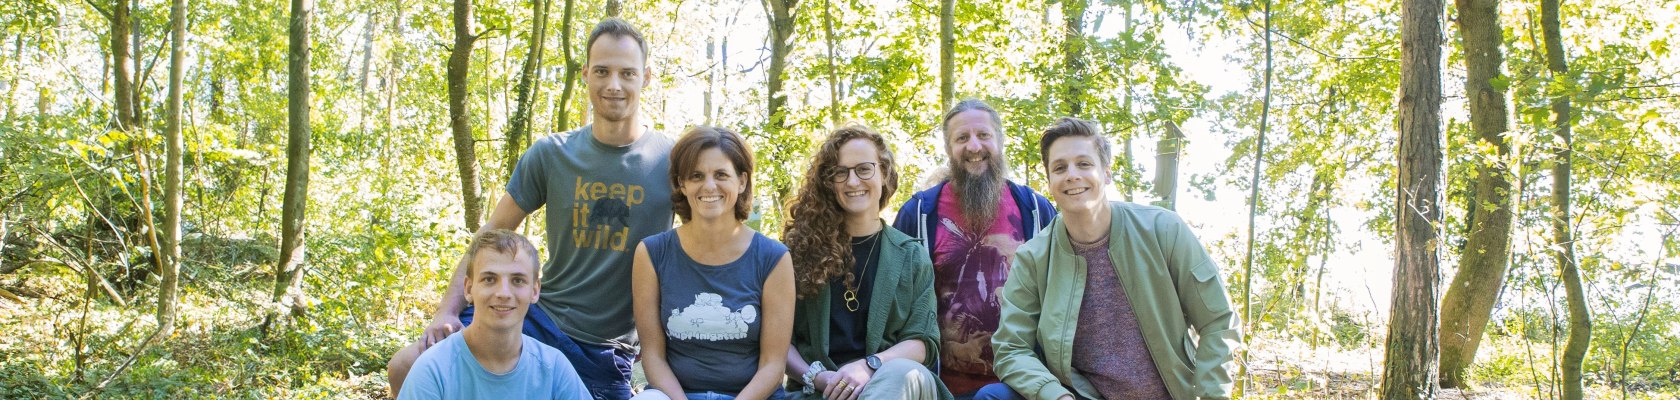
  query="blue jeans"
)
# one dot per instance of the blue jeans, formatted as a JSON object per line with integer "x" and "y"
{"x": 995, "y": 391}
{"x": 605, "y": 370}
{"x": 655, "y": 394}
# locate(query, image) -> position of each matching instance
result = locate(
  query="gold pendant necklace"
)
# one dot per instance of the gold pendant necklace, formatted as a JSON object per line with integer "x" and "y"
{"x": 852, "y": 302}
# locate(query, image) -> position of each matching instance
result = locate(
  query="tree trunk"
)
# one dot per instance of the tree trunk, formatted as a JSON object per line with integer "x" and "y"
{"x": 1412, "y": 349}
{"x": 1254, "y": 201}
{"x": 466, "y": 155}
{"x": 834, "y": 99}
{"x": 614, "y": 8}
{"x": 1073, "y": 52}
{"x": 393, "y": 70}
{"x": 1563, "y": 245}
{"x": 362, "y": 76}
{"x": 1166, "y": 166}
{"x": 781, "y": 15}
{"x": 1481, "y": 269}
{"x": 947, "y": 52}
{"x": 172, "y": 172}
{"x": 289, "y": 273}
{"x": 123, "y": 84}
{"x": 519, "y": 129}
{"x": 562, "y": 115}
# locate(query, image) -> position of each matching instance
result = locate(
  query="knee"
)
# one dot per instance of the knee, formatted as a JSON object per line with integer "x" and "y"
{"x": 398, "y": 367}
{"x": 997, "y": 391}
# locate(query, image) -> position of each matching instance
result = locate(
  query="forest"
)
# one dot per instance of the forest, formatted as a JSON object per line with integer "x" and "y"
{"x": 1407, "y": 199}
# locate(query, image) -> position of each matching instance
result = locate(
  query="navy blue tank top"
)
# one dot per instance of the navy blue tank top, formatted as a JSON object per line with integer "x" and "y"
{"x": 712, "y": 313}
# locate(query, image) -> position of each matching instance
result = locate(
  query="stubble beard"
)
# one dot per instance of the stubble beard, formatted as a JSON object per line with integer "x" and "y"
{"x": 979, "y": 194}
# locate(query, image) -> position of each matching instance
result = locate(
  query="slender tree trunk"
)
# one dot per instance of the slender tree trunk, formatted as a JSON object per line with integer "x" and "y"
{"x": 172, "y": 171}
{"x": 1563, "y": 241}
{"x": 123, "y": 76}
{"x": 1166, "y": 166}
{"x": 562, "y": 113}
{"x": 614, "y": 8}
{"x": 289, "y": 273}
{"x": 362, "y": 76}
{"x": 1481, "y": 270}
{"x": 393, "y": 70}
{"x": 466, "y": 155}
{"x": 833, "y": 77}
{"x": 519, "y": 129}
{"x": 1412, "y": 348}
{"x": 1073, "y": 52}
{"x": 781, "y": 15}
{"x": 1254, "y": 203}
{"x": 947, "y": 52}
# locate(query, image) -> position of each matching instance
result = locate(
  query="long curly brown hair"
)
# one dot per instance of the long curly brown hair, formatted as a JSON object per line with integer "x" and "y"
{"x": 814, "y": 232}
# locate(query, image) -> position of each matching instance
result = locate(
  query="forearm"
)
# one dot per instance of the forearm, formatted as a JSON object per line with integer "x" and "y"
{"x": 796, "y": 365}
{"x": 767, "y": 380}
{"x": 913, "y": 350}
{"x": 454, "y": 300}
{"x": 659, "y": 375}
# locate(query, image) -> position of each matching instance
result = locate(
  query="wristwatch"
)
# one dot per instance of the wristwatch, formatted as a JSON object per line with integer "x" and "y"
{"x": 873, "y": 362}
{"x": 810, "y": 376}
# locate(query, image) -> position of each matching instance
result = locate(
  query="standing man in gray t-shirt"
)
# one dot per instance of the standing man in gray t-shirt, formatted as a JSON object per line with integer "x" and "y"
{"x": 606, "y": 188}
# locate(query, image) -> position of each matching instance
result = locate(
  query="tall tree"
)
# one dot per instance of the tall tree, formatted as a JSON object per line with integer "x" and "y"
{"x": 1563, "y": 241}
{"x": 122, "y": 77}
{"x": 561, "y": 113}
{"x": 614, "y": 8}
{"x": 1254, "y": 199}
{"x": 833, "y": 76}
{"x": 172, "y": 171}
{"x": 289, "y": 273}
{"x": 466, "y": 154}
{"x": 1073, "y": 53}
{"x": 1168, "y": 148}
{"x": 519, "y": 128}
{"x": 1412, "y": 348}
{"x": 1482, "y": 261}
{"x": 781, "y": 15}
{"x": 947, "y": 52}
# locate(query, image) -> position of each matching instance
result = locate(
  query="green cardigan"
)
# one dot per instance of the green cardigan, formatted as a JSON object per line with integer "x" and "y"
{"x": 901, "y": 308}
{"x": 1169, "y": 279}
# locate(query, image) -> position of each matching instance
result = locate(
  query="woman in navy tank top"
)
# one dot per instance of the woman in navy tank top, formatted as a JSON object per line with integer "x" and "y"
{"x": 713, "y": 297}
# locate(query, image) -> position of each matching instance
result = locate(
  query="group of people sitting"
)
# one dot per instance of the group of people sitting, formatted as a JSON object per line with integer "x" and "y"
{"x": 982, "y": 288}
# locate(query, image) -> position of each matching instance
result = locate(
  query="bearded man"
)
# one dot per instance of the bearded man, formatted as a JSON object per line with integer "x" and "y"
{"x": 972, "y": 223}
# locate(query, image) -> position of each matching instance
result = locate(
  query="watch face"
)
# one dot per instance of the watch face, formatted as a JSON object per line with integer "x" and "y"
{"x": 873, "y": 362}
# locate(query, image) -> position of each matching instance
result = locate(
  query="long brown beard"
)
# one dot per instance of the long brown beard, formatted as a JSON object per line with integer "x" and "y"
{"x": 979, "y": 194}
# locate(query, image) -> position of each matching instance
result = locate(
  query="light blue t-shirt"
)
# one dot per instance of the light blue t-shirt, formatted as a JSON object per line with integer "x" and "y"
{"x": 448, "y": 370}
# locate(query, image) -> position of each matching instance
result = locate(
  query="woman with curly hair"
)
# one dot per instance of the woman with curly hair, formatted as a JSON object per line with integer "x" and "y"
{"x": 864, "y": 323}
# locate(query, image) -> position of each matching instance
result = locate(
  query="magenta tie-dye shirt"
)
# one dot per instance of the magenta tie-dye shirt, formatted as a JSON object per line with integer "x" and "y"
{"x": 969, "y": 271}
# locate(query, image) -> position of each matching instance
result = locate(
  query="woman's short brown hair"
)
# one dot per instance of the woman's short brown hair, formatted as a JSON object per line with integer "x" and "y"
{"x": 687, "y": 152}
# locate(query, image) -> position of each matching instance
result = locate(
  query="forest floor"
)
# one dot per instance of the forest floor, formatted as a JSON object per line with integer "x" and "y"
{"x": 54, "y": 345}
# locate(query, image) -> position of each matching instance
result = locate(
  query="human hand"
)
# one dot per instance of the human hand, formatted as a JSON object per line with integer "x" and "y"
{"x": 441, "y": 327}
{"x": 848, "y": 381}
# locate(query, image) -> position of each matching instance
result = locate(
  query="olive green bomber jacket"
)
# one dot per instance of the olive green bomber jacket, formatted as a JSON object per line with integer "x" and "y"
{"x": 1172, "y": 284}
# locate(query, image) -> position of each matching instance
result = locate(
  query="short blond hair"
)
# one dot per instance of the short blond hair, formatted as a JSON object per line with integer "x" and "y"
{"x": 505, "y": 242}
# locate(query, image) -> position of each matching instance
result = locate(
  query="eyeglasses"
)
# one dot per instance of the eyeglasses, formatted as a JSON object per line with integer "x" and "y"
{"x": 863, "y": 170}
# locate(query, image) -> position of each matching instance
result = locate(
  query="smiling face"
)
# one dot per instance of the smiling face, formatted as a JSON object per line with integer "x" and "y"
{"x": 972, "y": 143}
{"x": 858, "y": 196}
{"x": 615, "y": 76}
{"x": 501, "y": 288}
{"x": 712, "y": 186}
{"x": 1078, "y": 174}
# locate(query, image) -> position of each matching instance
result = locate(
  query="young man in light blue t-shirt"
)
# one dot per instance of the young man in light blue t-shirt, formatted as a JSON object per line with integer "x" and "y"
{"x": 491, "y": 359}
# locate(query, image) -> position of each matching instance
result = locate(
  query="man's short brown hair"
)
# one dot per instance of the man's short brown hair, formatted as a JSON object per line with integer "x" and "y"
{"x": 505, "y": 242}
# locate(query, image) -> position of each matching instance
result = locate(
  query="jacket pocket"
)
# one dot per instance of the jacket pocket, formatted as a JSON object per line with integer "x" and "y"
{"x": 1208, "y": 288}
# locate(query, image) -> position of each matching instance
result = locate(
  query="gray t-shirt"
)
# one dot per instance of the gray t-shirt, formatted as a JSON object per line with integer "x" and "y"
{"x": 712, "y": 313}
{"x": 601, "y": 200}
{"x": 448, "y": 370}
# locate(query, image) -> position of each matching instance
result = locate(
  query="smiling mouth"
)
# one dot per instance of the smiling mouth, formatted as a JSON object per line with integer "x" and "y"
{"x": 710, "y": 199}
{"x": 859, "y": 193}
{"x": 1078, "y": 191}
{"x": 502, "y": 308}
